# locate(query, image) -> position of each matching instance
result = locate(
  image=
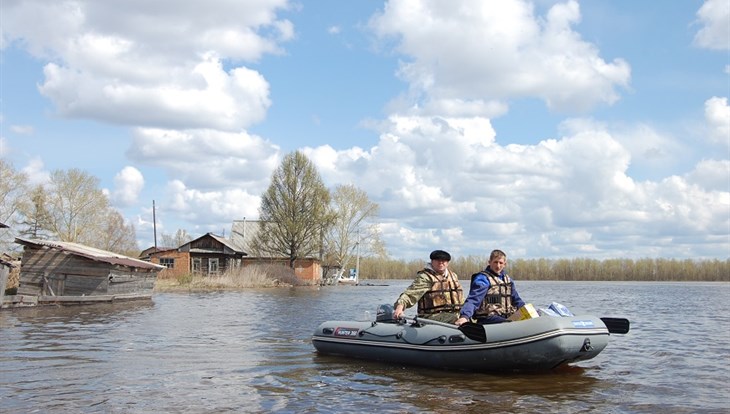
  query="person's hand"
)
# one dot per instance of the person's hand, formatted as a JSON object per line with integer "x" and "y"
{"x": 460, "y": 321}
{"x": 397, "y": 313}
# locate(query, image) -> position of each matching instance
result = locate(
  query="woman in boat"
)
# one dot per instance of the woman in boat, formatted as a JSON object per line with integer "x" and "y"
{"x": 436, "y": 289}
{"x": 492, "y": 294}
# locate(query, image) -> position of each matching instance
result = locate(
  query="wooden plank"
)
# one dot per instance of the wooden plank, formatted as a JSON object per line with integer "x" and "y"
{"x": 92, "y": 299}
{"x": 77, "y": 285}
{"x": 132, "y": 287}
{"x": 4, "y": 272}
{"x": 19, "y": 301}
{"x": 121, "y": 278}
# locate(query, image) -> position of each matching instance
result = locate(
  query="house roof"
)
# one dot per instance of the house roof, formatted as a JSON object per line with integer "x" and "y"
{"x": 243, "y": 232}
{"x": 89, "y": 253}
{"x": 146, "y": 253}
{"x": 230, "y": 244}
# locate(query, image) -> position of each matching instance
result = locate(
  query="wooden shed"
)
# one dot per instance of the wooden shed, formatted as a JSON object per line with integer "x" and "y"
{"x": 5, "y": 268}
{"x": 55, "y": 272}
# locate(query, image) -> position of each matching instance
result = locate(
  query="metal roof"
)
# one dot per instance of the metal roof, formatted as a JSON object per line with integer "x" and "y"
{"x": 90, "y": 253}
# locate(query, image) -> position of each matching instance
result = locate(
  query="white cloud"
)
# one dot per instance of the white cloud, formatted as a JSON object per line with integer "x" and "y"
{"x": 112, "y": 62}
{"x": 469, "y": 55}
{"x": 22, "y": 129}
{"x": 207, "y": 159}
{"x": 216, "y": 176}
{"x": 216, "y": 208}
{"x": 714, "y": 16}
{"x": 128, "y": 183}
{"x": 203, "y": 96}
{"x": 652, "y": 152}
{"x": 711, "y": 175}
{"x": 717, "y": 114}
{"x": 441, "y": 182}
{"x": 36, "y": 172}
{"x": 159, "y": 31}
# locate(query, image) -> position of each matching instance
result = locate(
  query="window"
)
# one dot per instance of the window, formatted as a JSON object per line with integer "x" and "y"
{"x": 196, "y": 265}
{"x": 213, "y": 266}
{"x": 168, "y": 262}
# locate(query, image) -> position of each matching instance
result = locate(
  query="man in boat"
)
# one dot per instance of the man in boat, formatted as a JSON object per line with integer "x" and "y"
{"x": 436, "y": 289}
{"x": 492, "y": 294}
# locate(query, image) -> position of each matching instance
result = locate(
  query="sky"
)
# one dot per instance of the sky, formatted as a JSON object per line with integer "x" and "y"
{"x": 547, "y": 129}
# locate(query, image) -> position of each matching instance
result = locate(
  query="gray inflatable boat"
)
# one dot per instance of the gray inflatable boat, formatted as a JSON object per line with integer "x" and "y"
{"x": 536, "y": 344}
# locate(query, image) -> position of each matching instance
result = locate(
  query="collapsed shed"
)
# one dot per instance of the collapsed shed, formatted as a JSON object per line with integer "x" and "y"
{"x": 55, "y": 272}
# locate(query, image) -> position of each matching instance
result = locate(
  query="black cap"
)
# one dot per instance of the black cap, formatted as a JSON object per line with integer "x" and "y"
{"x": 440, "y": 255}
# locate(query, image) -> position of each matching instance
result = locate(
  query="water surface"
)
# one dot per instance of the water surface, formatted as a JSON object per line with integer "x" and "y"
{"x": 251, "y": 352}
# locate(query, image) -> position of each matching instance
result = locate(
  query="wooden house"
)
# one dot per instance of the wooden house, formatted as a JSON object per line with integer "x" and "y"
{"x": 208, "y": 255}
{"x": 243, "y": 232}
{"x": 55, "y": 272}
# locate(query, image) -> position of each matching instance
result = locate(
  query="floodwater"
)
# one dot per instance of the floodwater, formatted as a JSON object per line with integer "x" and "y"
{"x": 251, "y": 352}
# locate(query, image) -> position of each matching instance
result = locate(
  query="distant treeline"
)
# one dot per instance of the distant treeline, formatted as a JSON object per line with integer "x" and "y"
{"x": 564, "y": 269}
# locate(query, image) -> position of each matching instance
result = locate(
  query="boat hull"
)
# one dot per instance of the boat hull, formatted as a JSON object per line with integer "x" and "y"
{"x": 537, "y": 344}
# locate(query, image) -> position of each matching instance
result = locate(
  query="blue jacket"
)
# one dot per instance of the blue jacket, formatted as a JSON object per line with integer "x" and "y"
{"x": 478, "y": 289}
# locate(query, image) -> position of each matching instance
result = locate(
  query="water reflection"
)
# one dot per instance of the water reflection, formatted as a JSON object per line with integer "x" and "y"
{"x": 434, "y": 390}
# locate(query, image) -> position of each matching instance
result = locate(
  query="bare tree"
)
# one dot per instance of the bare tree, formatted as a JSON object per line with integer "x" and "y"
{"x": 35, "y": 215}
{"x": 13, "y": 198}
{"x": 354, "y": 229}
{"x": 76, "y": 206}
{"x": 117, "y": 236}
{"x": 294, "y": 211}
{"x": 178, "y": 239}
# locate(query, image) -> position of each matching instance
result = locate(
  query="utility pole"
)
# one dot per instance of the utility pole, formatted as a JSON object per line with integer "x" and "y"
{"x": 357, "y": 259}
{"x": 154, "y": 223}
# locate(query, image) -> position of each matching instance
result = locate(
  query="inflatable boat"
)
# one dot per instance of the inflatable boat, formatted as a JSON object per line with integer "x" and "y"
{"x": 541, "y": 343}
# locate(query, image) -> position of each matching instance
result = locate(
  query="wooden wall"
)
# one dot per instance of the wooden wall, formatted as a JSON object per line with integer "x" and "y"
{"x": 55, "y": 273}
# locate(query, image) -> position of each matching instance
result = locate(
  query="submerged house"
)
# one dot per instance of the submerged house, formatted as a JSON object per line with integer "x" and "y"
{"x": 55, "y": 272}
{"x": 208, "y": 255}
{"x": 213, "y": 255}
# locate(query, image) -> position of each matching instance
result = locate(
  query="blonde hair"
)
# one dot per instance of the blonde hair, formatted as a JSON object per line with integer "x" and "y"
{"x": 497, "y": 254}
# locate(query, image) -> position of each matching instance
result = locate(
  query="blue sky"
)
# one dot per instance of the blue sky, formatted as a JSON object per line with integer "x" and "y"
{"x": 545, "y": 128}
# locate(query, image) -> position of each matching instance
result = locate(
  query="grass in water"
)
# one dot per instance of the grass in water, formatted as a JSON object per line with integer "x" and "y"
{"x": 253, "y": 276}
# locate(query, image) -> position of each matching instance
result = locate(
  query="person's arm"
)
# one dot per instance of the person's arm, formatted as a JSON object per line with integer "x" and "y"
{"x": 411, "y": 295}
{"x": 477, "y": 290}
{"x": 516, "y": 299}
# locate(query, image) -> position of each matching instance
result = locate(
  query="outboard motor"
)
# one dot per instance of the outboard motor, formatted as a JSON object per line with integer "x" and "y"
{"x": 385, "y": 313}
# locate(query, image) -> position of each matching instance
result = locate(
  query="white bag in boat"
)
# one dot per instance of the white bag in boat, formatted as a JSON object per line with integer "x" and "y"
{"x": 560, "y": 309}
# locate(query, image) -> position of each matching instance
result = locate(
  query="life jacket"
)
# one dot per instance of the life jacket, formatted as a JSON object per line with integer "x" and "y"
{"x": 445, "y": 295}
{"x": 498, "y": 299}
